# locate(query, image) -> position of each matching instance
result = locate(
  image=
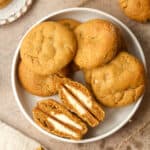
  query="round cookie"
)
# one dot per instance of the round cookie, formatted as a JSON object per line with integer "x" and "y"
{"x": 98, "y": 42}
{"x": 120, "y": 82}
{"x": 69, "y": 23}
{"x": 37, "y": 84}
{"x": 48, "y": 48}
{"x": 138, "y": 10}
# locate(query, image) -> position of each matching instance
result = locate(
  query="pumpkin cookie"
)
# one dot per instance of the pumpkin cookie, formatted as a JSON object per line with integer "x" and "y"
{"x": 98, "y": 42}
{"x": 79, "y": 100}
{"x": 55, "y": 118}
{"x": 120, "y": 82}
{"x": 138, "y": 10}
{"x": 44, "y": 50}
{"x": 37, "y": 84}
{"x": 69, "y": 23}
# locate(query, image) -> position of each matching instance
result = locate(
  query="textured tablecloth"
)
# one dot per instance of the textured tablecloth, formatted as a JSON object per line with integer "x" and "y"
{"x": 11, "y": 139}
{"x": 134, "y": 136}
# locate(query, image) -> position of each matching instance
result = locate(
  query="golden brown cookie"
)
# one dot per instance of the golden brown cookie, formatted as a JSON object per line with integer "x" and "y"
{"x": 55, "y": 118}
{"x": 38, "y": 84}
{"x": 78, "y": 99}
{"x": 69, "y": 23}
{"x": 98, "y": 42}
{"x": 120, "y": 82}
{"x": 138, "y": 10}
{"x": 48, "y": 48}
{"x": 4, "y": 3}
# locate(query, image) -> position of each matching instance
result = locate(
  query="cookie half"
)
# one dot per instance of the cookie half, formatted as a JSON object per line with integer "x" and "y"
{"x": 79, "y": 100}
{"x": 56, "y": 119}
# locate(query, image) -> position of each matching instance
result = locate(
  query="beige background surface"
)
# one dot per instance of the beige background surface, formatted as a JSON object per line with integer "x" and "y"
{"x": 134, "y": 136}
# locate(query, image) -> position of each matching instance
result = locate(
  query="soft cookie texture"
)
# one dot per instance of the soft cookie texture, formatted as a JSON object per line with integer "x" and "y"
{"x": 138, "y": 10}
{"x": 37, "y": 84}
{"x": 118, "y": 83}
{"x": 48, "y": 48}
{"x": 69, "y": 23}
{"x": 55, "y": 118}
{"x": 98, "y": 42}
{"x": 78, "y": 99}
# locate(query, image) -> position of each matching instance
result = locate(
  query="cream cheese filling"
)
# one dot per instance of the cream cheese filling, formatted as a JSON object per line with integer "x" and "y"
{"x": 67, "y": 120}
{"x": 81, "y": 96}
{"x": 61, "y": 128}
{"x": 74, "y": 102}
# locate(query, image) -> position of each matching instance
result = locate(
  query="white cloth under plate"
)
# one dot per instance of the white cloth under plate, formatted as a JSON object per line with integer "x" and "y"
{"x": 11, "y": 139}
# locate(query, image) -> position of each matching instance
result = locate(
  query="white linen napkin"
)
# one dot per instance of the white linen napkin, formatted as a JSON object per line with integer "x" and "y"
{"x": 11, "y": 139}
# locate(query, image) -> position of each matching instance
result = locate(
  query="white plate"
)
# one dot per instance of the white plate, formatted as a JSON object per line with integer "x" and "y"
{"x": 115, "y": 118}
{"x": 14, "y": 10}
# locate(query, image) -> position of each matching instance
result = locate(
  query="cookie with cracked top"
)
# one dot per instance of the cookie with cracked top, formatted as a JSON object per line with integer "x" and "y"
{"x": 78, "y": 99}
{"x": 118, "y": 83}
{"x": 48, "y": 48}
{"x": 98, "y": 42}
{"x": 55, "y": 118}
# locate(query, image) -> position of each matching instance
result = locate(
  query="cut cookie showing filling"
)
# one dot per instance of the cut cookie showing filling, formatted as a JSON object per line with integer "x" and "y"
{"x": 56, "y": 119}
{"x": 79, "y": 100}
{"x": 60, "y": 113}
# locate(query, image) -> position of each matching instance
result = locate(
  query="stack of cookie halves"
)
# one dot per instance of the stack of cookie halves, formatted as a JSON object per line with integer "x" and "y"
{"x": 53, "y": 50}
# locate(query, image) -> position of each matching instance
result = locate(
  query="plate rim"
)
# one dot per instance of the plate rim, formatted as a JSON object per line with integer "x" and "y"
{"x": 15, "y": 16}
{"x": 14, "y": 66}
